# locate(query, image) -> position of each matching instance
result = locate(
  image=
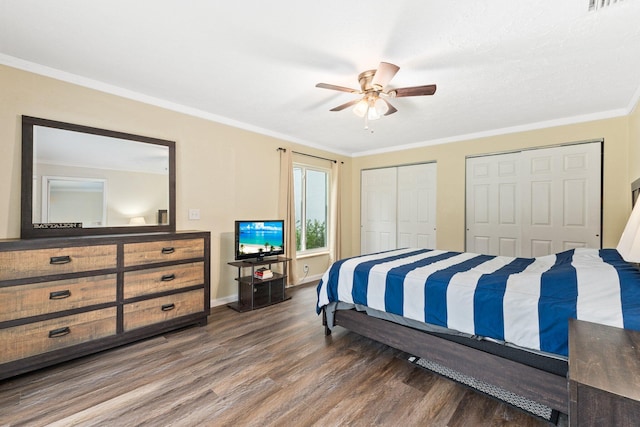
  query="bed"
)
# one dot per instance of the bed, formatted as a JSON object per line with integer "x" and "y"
{"x": 502, "y": 320}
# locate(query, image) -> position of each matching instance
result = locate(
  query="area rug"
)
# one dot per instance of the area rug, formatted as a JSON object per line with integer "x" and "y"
{"x": 520, "y": 402}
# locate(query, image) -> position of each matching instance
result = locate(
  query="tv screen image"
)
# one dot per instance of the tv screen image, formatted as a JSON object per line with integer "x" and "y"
{"x": 257, "y": 239}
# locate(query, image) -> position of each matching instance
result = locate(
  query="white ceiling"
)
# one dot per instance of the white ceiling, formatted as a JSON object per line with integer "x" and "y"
{"x": 500, "y": 65}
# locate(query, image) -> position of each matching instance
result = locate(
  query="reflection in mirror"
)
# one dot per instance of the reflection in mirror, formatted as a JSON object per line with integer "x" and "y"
{"x": 70, "y": 199}
{"x": 88, "y": 178}
{"x": 136, "y": 173}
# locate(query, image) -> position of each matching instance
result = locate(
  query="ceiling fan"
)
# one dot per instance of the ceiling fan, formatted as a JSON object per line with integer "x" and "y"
{"x": 373, "y": 88}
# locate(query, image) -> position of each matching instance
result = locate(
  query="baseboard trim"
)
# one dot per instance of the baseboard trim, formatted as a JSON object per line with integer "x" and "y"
{"x": 222, "y": 301}
{"x": 309, "y": 279}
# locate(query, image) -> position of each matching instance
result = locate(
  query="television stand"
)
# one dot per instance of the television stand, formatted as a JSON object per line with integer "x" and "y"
{"x": 256, "y": 293}
{"x": 259, "y": 261}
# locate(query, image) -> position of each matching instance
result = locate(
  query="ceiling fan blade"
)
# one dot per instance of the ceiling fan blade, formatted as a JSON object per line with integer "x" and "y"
{"x": 334, "y": 87}
{"x": 413, "y": 91}
{"x": 391, "y": 110}
{"x": 345, "y": 105}
{"x": 383, "y": 75}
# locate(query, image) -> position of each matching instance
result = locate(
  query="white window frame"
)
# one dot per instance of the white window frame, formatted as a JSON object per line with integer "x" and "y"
{"x": 307, "y": 167}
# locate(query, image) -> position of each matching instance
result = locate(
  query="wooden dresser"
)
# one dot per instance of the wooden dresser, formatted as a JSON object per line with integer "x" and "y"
{"x": 62, "y": 298}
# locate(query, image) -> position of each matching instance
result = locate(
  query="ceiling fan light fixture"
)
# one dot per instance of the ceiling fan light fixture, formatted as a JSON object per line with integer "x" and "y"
{"x": 377, "y": 108}
{"x": 372, "y": 114}
{"x": 361, "y": 108}
{"x": 381, "y": 107}
{"x": 373, "y": 88}
{"x": 372, "y": 107}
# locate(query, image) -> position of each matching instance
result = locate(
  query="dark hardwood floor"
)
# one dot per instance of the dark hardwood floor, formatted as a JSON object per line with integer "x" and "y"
{"x": 272, "y": 366}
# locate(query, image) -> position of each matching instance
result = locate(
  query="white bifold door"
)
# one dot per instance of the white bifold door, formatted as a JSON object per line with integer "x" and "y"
{"x": 534, "y": 202}
{"x": 398, "y": 208}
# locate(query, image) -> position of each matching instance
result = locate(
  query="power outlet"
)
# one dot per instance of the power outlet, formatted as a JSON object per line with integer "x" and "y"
{"x": 305, "y": 268}
{"x": 194, "y": 214}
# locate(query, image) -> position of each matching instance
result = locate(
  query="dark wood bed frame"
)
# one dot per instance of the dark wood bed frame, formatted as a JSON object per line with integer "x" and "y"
{"x": 536, "y": 384}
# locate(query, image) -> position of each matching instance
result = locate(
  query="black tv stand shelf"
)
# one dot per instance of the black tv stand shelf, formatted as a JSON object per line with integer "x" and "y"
{"x": 256, "y": 293}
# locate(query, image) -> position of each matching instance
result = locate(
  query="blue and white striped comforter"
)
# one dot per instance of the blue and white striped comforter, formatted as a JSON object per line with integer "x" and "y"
{"x": 523, "y": 301}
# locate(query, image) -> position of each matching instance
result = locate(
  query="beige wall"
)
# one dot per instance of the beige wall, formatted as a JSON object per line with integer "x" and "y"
{"x": 451, "y": 174}
{"x": 227, "y": 173}
{"x": 634, "y": 143}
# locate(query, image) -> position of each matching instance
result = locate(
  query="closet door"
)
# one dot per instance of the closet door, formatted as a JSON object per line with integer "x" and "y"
{"x": 398, "y": 208}
{"x": 378, "y": 210}
{"x": 535, "y": 202}
{"x": 416, "y": 206}
{"x": 561, "y": 199}
{"x": 493, "y": 205}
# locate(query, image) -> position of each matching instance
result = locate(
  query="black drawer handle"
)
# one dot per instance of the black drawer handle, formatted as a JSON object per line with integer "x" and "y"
{"x": 168, "y": 307}
{"x": 65, "y": 259}
{"x": 168, "y": 250}
{"x": 60, "y": 294}
{"x": 168, "y": 277}
{"x": 60, "y": 332}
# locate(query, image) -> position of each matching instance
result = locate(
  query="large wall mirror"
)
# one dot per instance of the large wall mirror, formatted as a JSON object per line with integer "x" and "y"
{"x": 79, "y": 180}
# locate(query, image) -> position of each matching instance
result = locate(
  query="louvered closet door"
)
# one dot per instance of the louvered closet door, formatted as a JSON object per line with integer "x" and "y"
{"x": 493, "y": 205}
{"x": 561, "y": 199}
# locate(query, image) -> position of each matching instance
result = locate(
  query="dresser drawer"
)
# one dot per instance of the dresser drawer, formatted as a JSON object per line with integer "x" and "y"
{"x": 149, "y": 312}
{"x": 42, "y": 262}
{"x": 41, "y": 337}
{"x": 162, "y": 250}
{"x": 152, "y": 280}
{"x": 49, "y": 297}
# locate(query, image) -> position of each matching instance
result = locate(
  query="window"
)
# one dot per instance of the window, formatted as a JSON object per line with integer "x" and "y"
{"x": 311, "y": 192}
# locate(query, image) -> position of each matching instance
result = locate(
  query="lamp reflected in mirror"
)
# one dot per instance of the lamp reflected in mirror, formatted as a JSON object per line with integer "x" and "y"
{"x": 137, "y": 220}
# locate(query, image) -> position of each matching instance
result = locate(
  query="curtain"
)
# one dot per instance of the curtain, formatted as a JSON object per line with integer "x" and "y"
{"x": 287, "y": 211}
{"x": 334, "y": 215}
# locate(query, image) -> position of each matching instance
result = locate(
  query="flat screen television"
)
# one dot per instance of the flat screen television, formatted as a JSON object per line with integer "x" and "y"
{"x": 257, "y": 239}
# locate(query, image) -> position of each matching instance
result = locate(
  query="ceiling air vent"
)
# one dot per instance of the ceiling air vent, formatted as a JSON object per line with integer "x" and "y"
{"x": 599, "y": 4}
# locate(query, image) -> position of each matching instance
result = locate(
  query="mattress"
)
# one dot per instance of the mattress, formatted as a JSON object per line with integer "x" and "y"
{"x": 522, "y": 302}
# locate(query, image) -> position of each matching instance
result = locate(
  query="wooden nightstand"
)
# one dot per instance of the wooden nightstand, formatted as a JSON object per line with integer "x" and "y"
{"x": 604, "y": 375}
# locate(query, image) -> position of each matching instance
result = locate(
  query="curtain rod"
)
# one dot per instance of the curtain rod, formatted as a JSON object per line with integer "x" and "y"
{"x": 309, "y": 155}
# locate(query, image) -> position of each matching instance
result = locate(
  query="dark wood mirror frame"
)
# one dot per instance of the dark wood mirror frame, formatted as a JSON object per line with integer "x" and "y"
{"x": 27, "y": 228}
